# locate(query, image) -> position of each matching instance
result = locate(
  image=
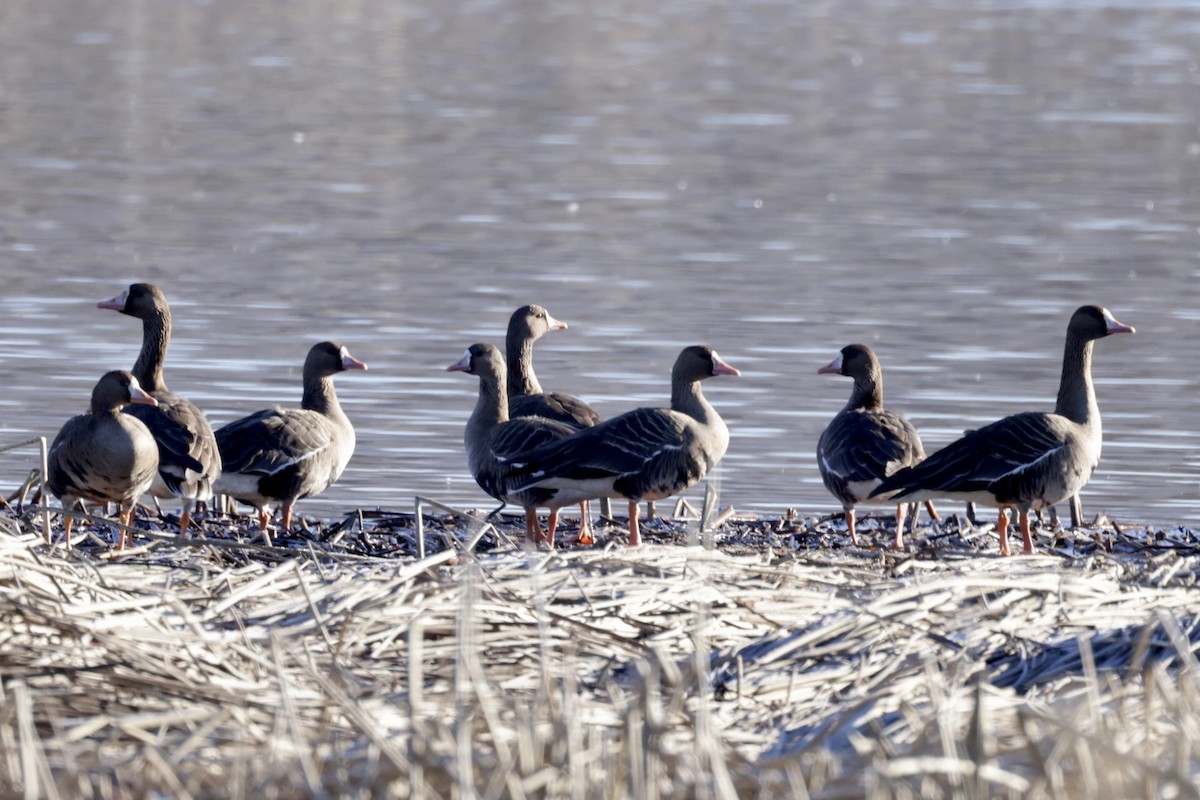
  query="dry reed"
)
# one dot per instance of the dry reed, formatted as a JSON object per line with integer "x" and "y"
{"x": 772, "y": 663}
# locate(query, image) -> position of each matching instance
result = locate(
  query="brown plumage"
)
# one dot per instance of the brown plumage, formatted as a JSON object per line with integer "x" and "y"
{"x": 281, "y": 455}
{"x": 865, "y": 443}
{"x": 525, "y": 395}
{"x": 644, "y": 454}
{"x": 492, "y": 440}
{"x": 104, "y": 455}
{"x": 188, "y": 460}
{"x": 1029, "y": 460}
{"x": 526, "y": 398}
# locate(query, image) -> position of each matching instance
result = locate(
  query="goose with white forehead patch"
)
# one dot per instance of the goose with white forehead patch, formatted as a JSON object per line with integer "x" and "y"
{"x": 644, "y": 454}
{"x": 526, "y": 397}
{"x": 188, "y": 460}
{"x": 1026, "y": 461}
{"x": 281, "y": 455}
{"x": 104, "y": 455}
{"x": 865, "y": 443}
{"x": 492, "y": 440}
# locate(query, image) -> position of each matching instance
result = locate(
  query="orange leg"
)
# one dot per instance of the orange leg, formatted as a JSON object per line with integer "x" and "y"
{"x": 287, "y": 518}
{"x": 635, "y": 534}
{"x": 184, "y": 519}
{"x": 533, "y": 530}
{"x": 126, "y": 518}
{"x": 901, "y": 513}
{"x": 850, "y": 524}
{"x": 1002, "y": 528}
{"x": 534, "y": 534}
{"x": 933, "y": 515}
{"x": 263, "y": 519}
{"x": 585, "y": 531}
{"x": 551, "y": 526}
{"x": 1026, "y": 534}
{"x": 67, "y": 521}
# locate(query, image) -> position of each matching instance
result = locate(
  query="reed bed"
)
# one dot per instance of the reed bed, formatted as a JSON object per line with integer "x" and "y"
{"x": 763, "y": 658}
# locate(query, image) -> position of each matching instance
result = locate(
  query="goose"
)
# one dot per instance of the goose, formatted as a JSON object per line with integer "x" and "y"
{"x": 183, "y": 433}
{"x": 644, "y": 454}
{"x": 526, "y": 398}
{"x": 104, "y": 455}
{"x": 492, "y": 439}
{"x": 1028, "y": 460}
{"x": 865, "y": 443}
{"x": 281, "y": 455}
{"x": 525, "y": 395}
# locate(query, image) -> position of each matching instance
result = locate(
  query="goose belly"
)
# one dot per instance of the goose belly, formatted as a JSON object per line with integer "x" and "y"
{"x": 860, "y": 492}
{"x": 242, "y": 487}
{"x": 561, "y": 492}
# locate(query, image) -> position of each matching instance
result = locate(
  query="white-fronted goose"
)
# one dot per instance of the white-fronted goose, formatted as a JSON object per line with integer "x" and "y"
{"x": 864, "y": 443}
{"x": 492, "y": 440}
{"x": 281, "y": 455}
{"x": 104, "y": 455}
{"x": 525, "y": 395}
{"x": 1028, "y": 460}
{"x": 183, "y": 434}
{"x": 644, "y": 454}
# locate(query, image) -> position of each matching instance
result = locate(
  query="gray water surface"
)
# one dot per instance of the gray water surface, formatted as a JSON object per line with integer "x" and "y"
{"x": 943, "y": 181}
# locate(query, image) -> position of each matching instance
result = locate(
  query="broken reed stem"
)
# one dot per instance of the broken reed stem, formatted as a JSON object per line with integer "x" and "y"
{"x": 201, "y": 665}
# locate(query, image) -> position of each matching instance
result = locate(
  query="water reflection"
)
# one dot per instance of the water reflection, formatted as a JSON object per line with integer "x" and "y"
{"x": 945, "y": 184}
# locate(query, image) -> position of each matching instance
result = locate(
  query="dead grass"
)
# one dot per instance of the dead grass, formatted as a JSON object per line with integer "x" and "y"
{"x": 776, "y": 662}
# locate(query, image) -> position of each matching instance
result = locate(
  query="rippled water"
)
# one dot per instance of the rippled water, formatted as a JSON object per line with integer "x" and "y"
{"x": 943, "y": 181}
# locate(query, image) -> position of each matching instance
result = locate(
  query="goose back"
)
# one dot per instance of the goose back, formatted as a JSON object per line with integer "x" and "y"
{"x": 858, "y": 449}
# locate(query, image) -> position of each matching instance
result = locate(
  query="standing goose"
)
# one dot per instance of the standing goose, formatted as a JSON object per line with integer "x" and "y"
{"x": 644, "y": 454}
{"x": 1028, "y": 460}
{"x": 525, "y": 396}
{"x": 864, "y": 443}
{"x": 104, "y": 455}
{"x": 183, "y": 434}
{"x": 492, "y": 440}
{"x": 281, "y": 455}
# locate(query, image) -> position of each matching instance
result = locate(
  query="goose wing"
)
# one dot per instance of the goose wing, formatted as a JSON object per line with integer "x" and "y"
{"x": 620, "y": 446}
{"x": 512, "y": 440}
{"x": 555, "y": 406}
{"x": 1000, "y": 451}
{"x": 64, "y": 470}
{"x": 860, "y": 446}
{"x": 176, "y": 442}
{"x": 272, "y": 440}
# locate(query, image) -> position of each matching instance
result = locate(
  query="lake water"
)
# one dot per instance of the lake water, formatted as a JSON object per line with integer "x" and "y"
{"x": 944, "y": 181}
